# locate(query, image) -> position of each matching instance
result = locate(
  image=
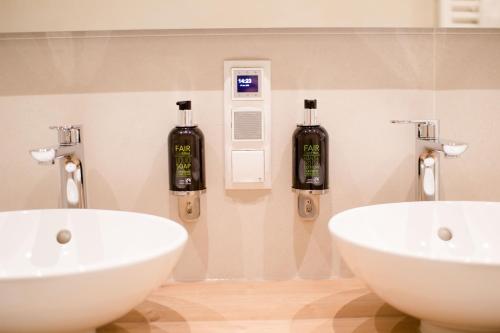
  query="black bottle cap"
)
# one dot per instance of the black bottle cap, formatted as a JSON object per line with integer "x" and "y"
{"x": 310, "y": 104}
{"x": 184, "y": 105}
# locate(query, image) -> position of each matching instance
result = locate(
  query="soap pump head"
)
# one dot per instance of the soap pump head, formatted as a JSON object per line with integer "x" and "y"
{"x": 185, "y": 117}
{"x": 310, "y": 106}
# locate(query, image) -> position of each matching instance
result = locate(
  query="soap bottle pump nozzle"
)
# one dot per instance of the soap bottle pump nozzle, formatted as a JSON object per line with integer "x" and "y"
{"x": 185, "y": 117}
{"x": 310, "y": 106}
{"x": 184, "y": 105}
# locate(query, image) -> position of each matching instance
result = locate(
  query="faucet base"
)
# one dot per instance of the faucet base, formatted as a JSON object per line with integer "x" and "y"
{"x": 428, "y": 176}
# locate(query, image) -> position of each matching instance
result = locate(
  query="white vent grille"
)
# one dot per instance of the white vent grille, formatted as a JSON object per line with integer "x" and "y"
{"x": 459, "y": 13}
{"x": 247, "y": 125}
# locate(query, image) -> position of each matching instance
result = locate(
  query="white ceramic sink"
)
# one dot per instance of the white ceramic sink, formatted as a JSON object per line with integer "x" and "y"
{"x": 111, "y": 263}
{"x": 398, "y": 250}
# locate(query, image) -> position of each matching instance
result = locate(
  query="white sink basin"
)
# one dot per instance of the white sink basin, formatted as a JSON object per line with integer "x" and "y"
{"x": 398, "y": 250}
{"x": 111, "y": 263}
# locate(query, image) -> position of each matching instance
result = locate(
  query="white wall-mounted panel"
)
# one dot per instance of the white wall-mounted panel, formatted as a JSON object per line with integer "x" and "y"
{"x": 247, "y": 124}
{"x": 248, "y": 166}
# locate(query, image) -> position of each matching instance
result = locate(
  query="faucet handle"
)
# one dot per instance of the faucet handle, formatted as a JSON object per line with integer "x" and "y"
{"x": 427, "y": 129}
{"x": 67, "y": 135}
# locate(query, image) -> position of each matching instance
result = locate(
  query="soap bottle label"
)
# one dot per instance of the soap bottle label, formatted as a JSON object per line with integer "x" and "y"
{"x": 311, "y": 156}
{"x": 183, "y": 164}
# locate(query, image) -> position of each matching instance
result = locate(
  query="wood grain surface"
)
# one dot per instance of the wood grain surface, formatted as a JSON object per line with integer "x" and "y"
{"x": 325, "y": 306}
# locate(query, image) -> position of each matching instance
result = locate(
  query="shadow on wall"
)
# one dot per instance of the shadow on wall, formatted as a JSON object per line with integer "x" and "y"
{"x": 45, "y": 193}
{"x": 277, "y": 233}
{"x": 396, "y": 182}
{"x": 96, "y": 183}
{"x": 312, "y": 244}
{"x": 193, "y": 263}
{"x": 340, "y": 266}
{"x": 154, "y": 184}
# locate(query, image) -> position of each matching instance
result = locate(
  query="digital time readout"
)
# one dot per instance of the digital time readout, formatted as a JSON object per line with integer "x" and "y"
{"x": 247, "y": 83}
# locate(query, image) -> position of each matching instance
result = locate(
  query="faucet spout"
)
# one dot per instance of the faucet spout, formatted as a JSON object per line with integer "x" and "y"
{"x": 44, "y": 156}
{"x": 48, "y": 155}
{"x": 450, "y": 149}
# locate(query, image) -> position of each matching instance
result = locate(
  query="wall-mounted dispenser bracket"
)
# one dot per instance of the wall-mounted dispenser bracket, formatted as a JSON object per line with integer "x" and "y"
{"x": 188, "y": 204}
{"x": 308, "y": 203}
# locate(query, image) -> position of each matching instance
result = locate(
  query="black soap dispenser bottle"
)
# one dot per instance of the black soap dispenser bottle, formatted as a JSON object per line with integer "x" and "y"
{"x": 186, "y": 158}
{"x": 310, "y": 162}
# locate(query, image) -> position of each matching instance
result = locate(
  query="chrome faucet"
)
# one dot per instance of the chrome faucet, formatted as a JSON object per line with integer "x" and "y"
{"x": 427, "y": 149}
{"x": 69, "y": 152}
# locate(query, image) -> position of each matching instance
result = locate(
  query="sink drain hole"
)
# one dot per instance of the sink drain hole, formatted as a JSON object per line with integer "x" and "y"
{"x": 445, "y": 234}
{"x": 63, "y": 236}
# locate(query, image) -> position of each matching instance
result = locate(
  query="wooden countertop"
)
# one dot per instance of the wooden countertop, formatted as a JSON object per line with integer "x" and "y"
{"x": 340, "y": 306}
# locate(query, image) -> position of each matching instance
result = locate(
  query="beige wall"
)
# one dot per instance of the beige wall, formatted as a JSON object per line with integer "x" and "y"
{"x": 76, "y": 15}
{"x": 123, "y": 90}
{"x": 468, "y": 104}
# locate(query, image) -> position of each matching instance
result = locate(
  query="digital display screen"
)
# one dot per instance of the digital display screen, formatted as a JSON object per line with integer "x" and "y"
{"x": 247, "y": 83}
